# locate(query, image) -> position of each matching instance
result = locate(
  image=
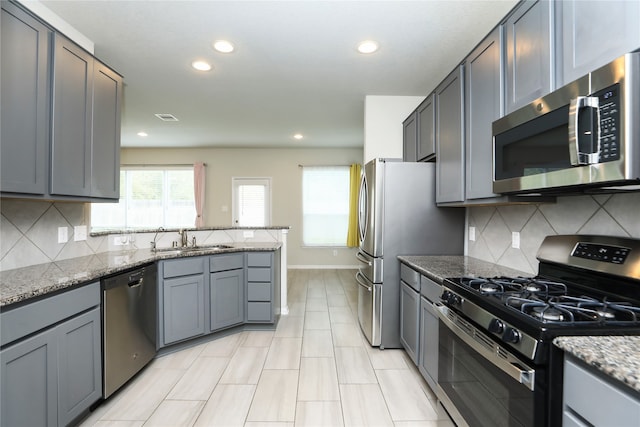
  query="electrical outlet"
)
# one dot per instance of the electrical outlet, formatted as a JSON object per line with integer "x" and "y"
{"x": 335, "y": 252}
{"x": 225, "y": 208}
{"x": 515, "y": 240}
{"x": 247, "y": 234}
{"x": 63, "y": 234}
{"x": 472, "y": 234}
{"x": 79, "y": 233}
{"x": 119, "y": 240}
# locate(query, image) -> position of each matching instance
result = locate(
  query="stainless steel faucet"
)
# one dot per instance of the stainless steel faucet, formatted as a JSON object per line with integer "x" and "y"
{"x": 184, "y": 239}
{"x": 153, "y": 244}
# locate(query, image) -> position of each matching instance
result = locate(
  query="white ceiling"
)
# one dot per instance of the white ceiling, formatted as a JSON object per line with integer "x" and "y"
{"x": 295, "y": 68}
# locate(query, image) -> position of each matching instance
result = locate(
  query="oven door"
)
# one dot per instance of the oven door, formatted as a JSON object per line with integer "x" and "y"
{"x": 482, "y": 384}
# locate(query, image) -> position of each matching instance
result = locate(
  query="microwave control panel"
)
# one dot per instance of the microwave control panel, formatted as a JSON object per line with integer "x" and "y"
{"x": 609, "y": 101}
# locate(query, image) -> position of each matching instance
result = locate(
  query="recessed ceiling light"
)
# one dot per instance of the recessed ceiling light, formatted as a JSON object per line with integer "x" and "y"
{"x": 298, "y": 136}
{"x": 223, "y": 46}
{"x": 143, "y": 134}
{"x": 367, "y": 46}
{"x": 201, "y": 65}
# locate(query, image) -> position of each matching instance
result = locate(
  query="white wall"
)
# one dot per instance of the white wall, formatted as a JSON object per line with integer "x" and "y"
{"x": 281, "y": 165}
{"x": 383, "y": 117}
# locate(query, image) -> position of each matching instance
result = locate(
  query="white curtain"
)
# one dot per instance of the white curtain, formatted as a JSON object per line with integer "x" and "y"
{"x": 198, "y": 187}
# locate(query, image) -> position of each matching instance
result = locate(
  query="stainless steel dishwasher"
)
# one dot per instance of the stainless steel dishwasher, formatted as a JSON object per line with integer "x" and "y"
{"x": 129, "y": 313}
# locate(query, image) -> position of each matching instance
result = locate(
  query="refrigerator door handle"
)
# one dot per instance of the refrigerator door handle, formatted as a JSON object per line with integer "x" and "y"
{"x": 363, "y": 259}
{"x": 362, "y": 283}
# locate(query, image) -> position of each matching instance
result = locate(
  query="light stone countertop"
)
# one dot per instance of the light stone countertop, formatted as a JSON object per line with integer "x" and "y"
{"x": 616, "y": 356}
{"x": 438, "y": 268}
{"x": 22, "y": 284}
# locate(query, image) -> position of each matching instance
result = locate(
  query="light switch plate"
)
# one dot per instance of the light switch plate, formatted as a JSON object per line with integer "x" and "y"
{"x": 63, "y": 234}
{"x": 79, "y": 233}
{"x": 472, "y": 234}
{"x": 515, "y": 240}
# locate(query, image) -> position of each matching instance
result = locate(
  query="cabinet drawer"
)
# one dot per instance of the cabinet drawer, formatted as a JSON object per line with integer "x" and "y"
{"x": 410, "y": 276}
{"x": 430, "y": 289}
{"x": 259, "y": 275}
{"x": 259, "y": 259}
{"x": 259, "y": 291}
{"x": 225, "y": 262}
{"x": 27, "y": 319}
{"x": 259, "y": 312}
{"x": 183, "y": 267}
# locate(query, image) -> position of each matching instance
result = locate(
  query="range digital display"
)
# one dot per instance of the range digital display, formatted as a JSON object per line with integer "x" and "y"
{"x": 603, "y": 253}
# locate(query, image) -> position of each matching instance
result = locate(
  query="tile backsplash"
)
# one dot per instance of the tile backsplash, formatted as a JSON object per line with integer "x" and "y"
{"x": 29, "y": 234}
{"x": 613, "y": 215}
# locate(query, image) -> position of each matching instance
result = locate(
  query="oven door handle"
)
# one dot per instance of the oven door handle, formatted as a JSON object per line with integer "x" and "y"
{"x": 479, "y": 342}
{"x": 362, "y": 283}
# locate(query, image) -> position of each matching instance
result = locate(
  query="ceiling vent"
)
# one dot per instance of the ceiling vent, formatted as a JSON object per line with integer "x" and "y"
{"x": 166, "y": 117}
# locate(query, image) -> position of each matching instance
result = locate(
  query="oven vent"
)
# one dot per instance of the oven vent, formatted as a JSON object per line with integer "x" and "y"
{"x": 485, "y": 341}
{"x": 503, "y": 353}
{"x": 166, "y": 117}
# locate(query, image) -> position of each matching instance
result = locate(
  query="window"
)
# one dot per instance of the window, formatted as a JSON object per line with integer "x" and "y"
{"x": 149, "y": 198}
{"x": 251, "y": 202}
{"x": 325, "y": 205}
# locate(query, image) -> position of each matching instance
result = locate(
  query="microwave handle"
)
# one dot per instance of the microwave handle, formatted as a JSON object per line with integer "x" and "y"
{"x": 576, "y": 134}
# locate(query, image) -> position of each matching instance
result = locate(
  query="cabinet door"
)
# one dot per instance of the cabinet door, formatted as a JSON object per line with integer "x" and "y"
{"x": 450, "y": 138}
{"x": 25, "y": 102}
{"x": 105, "y": 157}
{"x": 409, "y": 139}
{"x": 426, "y": 129}
{"x": 483, "y": 104}
{"x": 409, "y": 320}
{"x": 183, "y": 308}
{"x": 529, "y": 50}
{"x": 72, "y": 112}
{"x": 227, "y": 298}
{"x": 428, "y": 360}
{"x": 79, "y": 365}
{"x": 593, "y": 33}
{"x": 29, "y": 382}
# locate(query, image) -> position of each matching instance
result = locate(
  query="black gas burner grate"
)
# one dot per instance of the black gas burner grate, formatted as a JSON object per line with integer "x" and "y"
{"x": 525, "y": 286}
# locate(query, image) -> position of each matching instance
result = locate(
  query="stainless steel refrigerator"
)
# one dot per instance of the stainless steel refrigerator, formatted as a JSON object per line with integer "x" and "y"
{"x": 397, "y": 216}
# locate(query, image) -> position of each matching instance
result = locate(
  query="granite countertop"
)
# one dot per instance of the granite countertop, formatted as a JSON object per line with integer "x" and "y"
{"x": 618, "y": 357}
{"x": 438, "y": 268}
{"x": 24, "y": 283}
{"x": 166, "y": 230}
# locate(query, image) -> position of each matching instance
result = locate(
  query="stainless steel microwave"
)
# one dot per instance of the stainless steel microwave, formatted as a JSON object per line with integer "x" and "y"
{"x": 581, "y": 137}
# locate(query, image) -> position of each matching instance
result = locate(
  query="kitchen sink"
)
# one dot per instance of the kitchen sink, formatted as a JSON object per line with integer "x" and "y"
{"x": 196, "y": 248}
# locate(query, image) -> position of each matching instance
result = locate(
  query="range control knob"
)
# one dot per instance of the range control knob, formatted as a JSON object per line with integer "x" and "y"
{"x": 496, "y": 326}
{"x": 450, "y": 298}
{"x": 511, "y": 335}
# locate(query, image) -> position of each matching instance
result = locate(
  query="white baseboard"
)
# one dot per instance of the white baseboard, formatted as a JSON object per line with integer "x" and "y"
{"x": 323, "y": 267}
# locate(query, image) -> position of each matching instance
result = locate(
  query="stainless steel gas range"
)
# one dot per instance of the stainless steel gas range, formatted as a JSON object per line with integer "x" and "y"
{"x": 497, "y": 363}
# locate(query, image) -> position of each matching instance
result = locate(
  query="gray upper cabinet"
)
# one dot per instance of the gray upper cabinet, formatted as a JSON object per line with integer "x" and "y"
{"x": 26, "y": 47}
{"x": 592, "y": 33}
{"x": 529, "y": 53}
{"x": 483, "y": 105}
{"x": 426, "y": 129}
{"x": 409, "y": 138}
{"x": 60, "y": 115}
{"x": 105, "y": 140}
{"x": 72, "y": 114}
{"x": 449, "y": 102}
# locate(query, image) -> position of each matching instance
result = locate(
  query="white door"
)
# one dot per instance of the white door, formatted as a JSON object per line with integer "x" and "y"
{"x": 251, "y": 202}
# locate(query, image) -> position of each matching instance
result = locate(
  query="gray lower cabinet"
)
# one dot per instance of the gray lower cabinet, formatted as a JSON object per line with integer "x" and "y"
{"x": 428, "y": 359}
{"x": 581, "y": 45}
{"x": 483, "y": 105}
{"x": 25, "y": 102}
{"x": 227, "y": 290}
{"x": 449, "y": 116}
{"x": 592, "y": 399}
{"x": 51, "y": 364}
{"x": 529, "y": 53}
{"x": 182, "y": 295}
{"x": 260, "y": 287}
{"x": 410, "y": 320}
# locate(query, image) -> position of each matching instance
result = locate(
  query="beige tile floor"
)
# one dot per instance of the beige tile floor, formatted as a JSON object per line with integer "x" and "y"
{"x": 315, "y": 369}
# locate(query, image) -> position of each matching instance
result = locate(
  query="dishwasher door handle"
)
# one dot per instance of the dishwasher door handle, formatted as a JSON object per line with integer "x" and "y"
{"x": 136, "y": 283}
